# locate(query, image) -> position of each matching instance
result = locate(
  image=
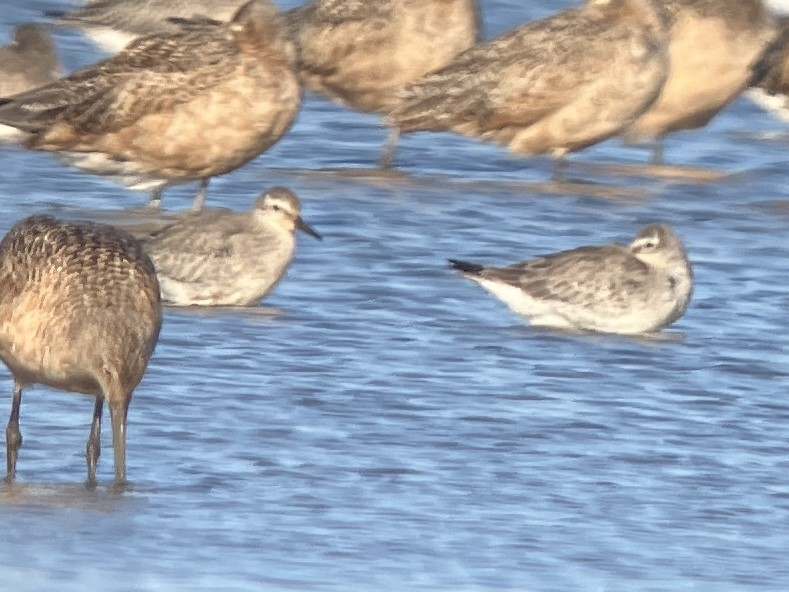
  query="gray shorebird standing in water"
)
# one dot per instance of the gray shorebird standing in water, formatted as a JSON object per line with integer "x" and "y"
{"x": 113, "y": 24}
{"x": 171, "y": 108}
{"x": 638, "y": 288}
{"x": 226, "y": 258}
{"x": 29, "y": 61}
{"x": 80, "y": 311}
{"x": 550, "y": 86}
{"x": 359, "y": 53}
{"x": 713, "y": 46}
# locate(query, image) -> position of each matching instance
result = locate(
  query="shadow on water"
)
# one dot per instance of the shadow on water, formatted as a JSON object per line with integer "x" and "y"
{"x": 656, "y": 338}
{"x": 601, "y": 186}
{"x": 104, "y": 498}
{"x": 664, "y": 172}
{"x": 250, "y": 312}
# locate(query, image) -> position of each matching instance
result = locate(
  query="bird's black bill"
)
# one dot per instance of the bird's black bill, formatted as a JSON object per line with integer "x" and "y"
{"x": 306, "y": 228}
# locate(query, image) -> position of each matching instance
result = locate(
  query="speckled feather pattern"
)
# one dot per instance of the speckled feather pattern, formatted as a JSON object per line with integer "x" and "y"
{"x": 143, "y": 17}
{"x": 634, "y": 288}
{"x": 150, "y": 105}
{"x": 554, "y": 85}
{"x": 360, "y": 52}
{"x": 772, "y": 71}
{"x": 154, "y": 74}
{"x": 30, "y": 60}
{"x": 222, "y": 257}
{"x": 79, "y": 306}
{"x": 723, "y": 39}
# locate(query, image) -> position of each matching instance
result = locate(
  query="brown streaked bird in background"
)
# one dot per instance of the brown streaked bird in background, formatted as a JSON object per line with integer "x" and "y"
{"x": 29, "y": 61}
{"x": 637, "y": 288}
{"x": 79, "y": 311}
{"x": 113, "y": 24}
{"x": 171, "y": 108}
{"x": 713, "y": 46}
{"x": 358, "y": 52}
{"x": 770, "y": 82}
{"x": 550, "y": 86}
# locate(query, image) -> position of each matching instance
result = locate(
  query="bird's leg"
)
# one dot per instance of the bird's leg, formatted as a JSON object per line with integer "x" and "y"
{"x": 94, "y": 442}
{"x": 657, "y": 152}
{"x": 119, "y": 408}
{"x": 13, "y": 437}
{"x": 559, "y": 169}
{"x": 387, "y": 155}
{"x": 202, "y": 193}
{"x": 155, "y": 203}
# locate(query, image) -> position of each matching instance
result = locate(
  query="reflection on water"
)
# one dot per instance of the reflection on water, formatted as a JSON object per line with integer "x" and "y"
{"x": 67, "y": 496}
{"x": 380, "y": 424}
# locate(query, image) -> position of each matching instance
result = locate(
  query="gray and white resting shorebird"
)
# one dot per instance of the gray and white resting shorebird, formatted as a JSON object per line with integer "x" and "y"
{"x": 226, "y": 258}
{"x": 171, "y": 108}
{"x": 637, "y": 288}
{"x": 79, "y": 311}
{"x": 551, "y": 86}
{"x": 113, "y": 24}
{"x": 713, "y": 47}
{"x": 360, "y": 53}
{"x": 29, "y": 61}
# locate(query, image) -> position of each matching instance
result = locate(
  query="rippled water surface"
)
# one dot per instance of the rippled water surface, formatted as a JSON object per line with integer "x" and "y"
{"x": 385, "y": 425}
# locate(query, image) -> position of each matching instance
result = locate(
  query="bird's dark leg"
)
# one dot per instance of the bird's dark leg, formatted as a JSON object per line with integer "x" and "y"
{"x": 119, "y": 408}
{"x": 155, "y": 203}
{"x": 559, "y": 169}
{"x": 94, "y": 442}
{"x": 202, "y": 193}
{"x": 657, "y": 152}
{"x": 13, "y": 437}
{"x": 387, "y": 155}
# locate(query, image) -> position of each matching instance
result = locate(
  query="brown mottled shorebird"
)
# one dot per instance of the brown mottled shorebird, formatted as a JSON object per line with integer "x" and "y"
{"x": 171, "y": 108}
{"x": 638, "y": 288}
{"x": 551, "y": 86}
{"x": 29, "y": 61}
{"x": 359, "y": 52}
{"x": 113, "y": 24}
{"x": 226, "y": 258}
{"x": 80, "y": 311}
{"x": 713, "y": 46}
{"x": 770, "y": 82}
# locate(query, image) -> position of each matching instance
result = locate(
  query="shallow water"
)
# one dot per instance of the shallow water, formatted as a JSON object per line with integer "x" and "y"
{"x": 384, "y": 425}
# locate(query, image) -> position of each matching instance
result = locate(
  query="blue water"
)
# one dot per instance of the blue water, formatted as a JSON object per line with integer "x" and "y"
{"x": 384, "y": 425}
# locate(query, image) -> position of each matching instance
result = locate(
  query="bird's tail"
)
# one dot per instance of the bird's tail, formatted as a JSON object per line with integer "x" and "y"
{"x": 465, "y": 267}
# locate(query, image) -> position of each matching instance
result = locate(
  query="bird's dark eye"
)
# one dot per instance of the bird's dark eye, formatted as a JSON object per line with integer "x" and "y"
{"x": 276, "y": 208}
{"x": 648, "y": 244}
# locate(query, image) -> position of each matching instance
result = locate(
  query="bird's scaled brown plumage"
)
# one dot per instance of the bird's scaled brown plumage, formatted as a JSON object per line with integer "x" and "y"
{"x": 770, "y": 81}
{"x": 359, "y": 53}
{"x": 550, "y": 86}
{"x": 79, "y": 311}
{"x": 636, "y": 288}
{"x": 171, "y": 108}
{"x": 713, "y": 47}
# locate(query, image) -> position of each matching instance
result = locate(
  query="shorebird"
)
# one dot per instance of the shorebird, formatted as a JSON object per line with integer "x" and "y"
{"x": 29, "y": 61}
{"x": 638, "y": 288}
{"x": 79, "y": 311}
{"x": 359, "y": 53}
{"x": 171, "y": 108}
{"x": 551, "y": 86}
{"x": 113, "y": 24}
{"x": 713, "y": 46}
{"x": 770, "y": 82}
{"x": 226, "y": 258}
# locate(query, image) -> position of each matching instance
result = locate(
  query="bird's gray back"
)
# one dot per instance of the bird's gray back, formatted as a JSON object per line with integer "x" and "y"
{"x": 586, "y": 276}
